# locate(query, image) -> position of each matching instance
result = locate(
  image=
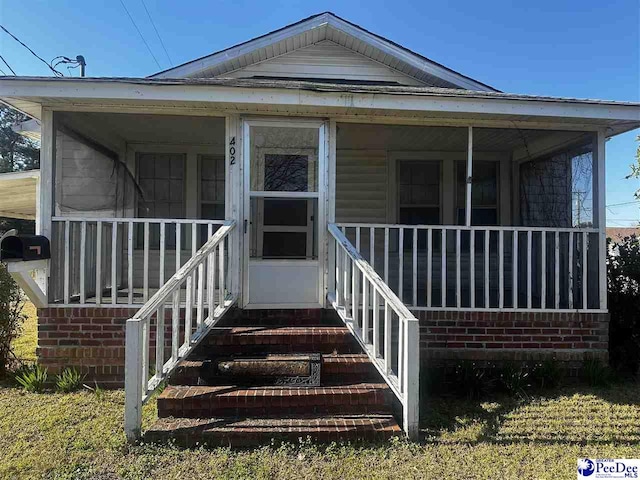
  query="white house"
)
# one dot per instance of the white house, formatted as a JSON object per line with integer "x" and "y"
{"x": 244, "y": 201}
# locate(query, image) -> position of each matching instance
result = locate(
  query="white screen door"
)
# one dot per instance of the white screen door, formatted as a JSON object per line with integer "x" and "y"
{"x": 284, "y": 212}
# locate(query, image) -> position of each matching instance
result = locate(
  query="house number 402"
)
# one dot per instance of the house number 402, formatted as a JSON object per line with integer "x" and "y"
{"x": 232, "y": 151}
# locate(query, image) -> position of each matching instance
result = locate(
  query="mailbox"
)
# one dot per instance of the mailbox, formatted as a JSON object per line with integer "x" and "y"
{"x": 24, "y": 247}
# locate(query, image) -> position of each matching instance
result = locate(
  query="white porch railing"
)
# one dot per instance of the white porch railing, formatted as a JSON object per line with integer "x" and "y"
{"x": 486, "y": 268}
{"x": 119, "y": 261}
{"x": 204, "y": 282}
{"x": 391, "y": 340}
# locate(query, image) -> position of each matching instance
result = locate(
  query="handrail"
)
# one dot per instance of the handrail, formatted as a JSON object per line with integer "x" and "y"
{"x": 357, "y": 305}
{"x": 160, "y": 297}
{"x": 497, "y": 228}
{"x": 200, "y": 296}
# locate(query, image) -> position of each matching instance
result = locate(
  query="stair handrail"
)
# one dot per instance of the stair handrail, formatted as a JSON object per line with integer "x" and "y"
{"x": 138, "y": 385}
{"x": 349, "y": 299}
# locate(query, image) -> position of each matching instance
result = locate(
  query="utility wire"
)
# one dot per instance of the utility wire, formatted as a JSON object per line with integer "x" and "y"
{"x": 157, "y": 33}
{"x": 7, "y": 64}
{"x": 56, "y": 72}
{"x": 139, "y": 33}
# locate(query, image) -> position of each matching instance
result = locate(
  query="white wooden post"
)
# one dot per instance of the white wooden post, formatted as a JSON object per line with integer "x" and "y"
{"x": 44, "y": 203}
{"x": 411, "y": 410}
{"x": 599, "y": 212}
{"x": 332, "y": 281}
{"x": 469, "y": 177}
{"x": 133, "y": 379}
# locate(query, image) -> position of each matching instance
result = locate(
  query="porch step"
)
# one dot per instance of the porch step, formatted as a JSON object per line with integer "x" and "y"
{"x": 273, "y": 339}
{"x": 244, "y": 432}
{"x": 231, "y": 400}
{"x": 336, "y": 368}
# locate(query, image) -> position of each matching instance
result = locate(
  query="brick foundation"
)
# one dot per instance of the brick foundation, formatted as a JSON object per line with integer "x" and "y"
{"x": 447, "y": 337}
{"x": 92, "y": 339}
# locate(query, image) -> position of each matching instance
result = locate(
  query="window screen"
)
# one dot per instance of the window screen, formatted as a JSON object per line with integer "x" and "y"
{"x": 161, "y": 178}
{"x": 212, "y": 187}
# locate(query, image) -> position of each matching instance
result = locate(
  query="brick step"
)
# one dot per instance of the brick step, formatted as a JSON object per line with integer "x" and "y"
{"x": 283, "y": 318}
{"x": 231, "y": 400}
{"x": 336, "y": 369}
{"x": 244, "y": 432}
{"x": 252, "y": 340}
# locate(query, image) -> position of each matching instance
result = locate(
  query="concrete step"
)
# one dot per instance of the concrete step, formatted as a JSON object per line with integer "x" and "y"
{"x": 233, "y": 400}
{"x": 336, "y": 369}
{"x": 244, "y": 432}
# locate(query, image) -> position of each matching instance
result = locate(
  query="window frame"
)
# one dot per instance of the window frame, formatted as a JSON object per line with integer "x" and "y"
{"x": 497, "y": 207}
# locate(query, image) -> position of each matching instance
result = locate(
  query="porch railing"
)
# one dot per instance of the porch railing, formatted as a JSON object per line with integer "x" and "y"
{"x": 120, "y": 261}
{"x": 381, "y": 323}
{"x": 486, "y": 268}
{"x": 207, "y": 297}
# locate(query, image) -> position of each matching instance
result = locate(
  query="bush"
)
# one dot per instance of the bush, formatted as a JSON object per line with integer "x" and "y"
{"x": 473, "y": 380}
{"x": 624, "y": 305}
{"x": 11, "y": 318}
{"x": 547, "y": 374}
{"x": 32, "y": 377}
{"x": 515, "y": 379}
{"x": 596, "y": 373}
{"x": 69, "y": 380}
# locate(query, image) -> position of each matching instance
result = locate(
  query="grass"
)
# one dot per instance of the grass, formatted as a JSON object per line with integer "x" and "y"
{"x": 79, "y": 435}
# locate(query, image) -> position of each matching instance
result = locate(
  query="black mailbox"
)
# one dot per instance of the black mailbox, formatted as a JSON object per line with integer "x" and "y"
{"x": 25, "y": 247}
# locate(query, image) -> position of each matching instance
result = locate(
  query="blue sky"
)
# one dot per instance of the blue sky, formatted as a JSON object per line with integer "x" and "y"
{"x": 579, "y": 48}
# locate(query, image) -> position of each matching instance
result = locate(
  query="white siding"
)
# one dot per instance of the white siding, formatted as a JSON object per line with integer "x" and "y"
{"x": 324, "y": 60}
{"x": 361, "y": 186}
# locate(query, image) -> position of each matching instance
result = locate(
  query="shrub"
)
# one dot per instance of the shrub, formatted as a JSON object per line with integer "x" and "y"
{"x": 515, "y": 379}
{"x": 596, "y": 372}
{"x": 32, "y": 377}
{"x": 69, "y": 380}
{"x": 624, "y": 305}
{"x": 11, "y": 317}
{"x": 473, "y": 380}
{"x": 547, "y": 374}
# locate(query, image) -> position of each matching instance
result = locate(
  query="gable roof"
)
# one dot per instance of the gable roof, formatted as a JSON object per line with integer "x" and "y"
{"x": 318, "y": 28}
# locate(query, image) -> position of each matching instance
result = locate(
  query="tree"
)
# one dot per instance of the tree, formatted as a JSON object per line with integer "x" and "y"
{"x": 17, "y": 152}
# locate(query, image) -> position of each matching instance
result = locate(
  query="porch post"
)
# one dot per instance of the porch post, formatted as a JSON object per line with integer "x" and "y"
{"x": 44, "y": 191}
{"x": 233, "y": 200}
{"x": 469, "y": 177}
{"x": 331, "y": 208}
{"x": 599, "y": 211}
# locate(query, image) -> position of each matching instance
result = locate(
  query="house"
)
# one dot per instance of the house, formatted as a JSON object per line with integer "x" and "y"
{"x": 316, "y": 190}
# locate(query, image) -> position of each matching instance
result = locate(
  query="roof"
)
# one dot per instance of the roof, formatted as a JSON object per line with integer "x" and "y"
{"x": 315, "y": 29}
{"x": 324, "y": 86}
{"x": 18, "y": 192}
{"x": 616, "y": 234}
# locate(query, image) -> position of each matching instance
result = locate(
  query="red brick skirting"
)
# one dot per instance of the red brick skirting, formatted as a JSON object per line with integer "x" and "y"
{"x": 92, "y": 339}
{"x": 519, "y": 336}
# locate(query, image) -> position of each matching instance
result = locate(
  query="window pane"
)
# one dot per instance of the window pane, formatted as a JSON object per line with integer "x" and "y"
{"x": 212, "y": 187}
{"x": 419, "y": 183}
{"x": 161, "y": 178}
{"x": 284, "y": 159}
{"x": 283, "y": 228}
{"x": 285, "y": 212}
{"x": 420, "y": 216}
{"x": 284, "y": 245}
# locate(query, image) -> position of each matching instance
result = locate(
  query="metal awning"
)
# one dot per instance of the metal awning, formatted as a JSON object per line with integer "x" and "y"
{"x": 19, "y": 194}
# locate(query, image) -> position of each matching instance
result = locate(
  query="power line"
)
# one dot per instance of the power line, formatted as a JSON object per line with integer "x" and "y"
{"x": 157, "y": 33}
{"x": 139, "y": 33}
{"x": 56, "y": 72}
{"x": 7, "y": 64}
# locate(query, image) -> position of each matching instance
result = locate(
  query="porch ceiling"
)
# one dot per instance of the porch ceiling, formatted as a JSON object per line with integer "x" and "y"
{"x": 18, "y": 192}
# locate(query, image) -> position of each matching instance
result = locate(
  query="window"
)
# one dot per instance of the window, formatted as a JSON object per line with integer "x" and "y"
{"x": 212, "y": 187}
{"x": 162, "y": 179}
{"x": 484, "y": 192}
{"x": 419, "y": 192}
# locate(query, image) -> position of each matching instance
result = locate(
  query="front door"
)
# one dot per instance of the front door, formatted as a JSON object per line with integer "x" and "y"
{"x": 284, "y": 211}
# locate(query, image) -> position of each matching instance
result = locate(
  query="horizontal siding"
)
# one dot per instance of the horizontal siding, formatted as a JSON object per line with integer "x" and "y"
{"x": 324, "y": 60}
{"x": 361, "y": 186}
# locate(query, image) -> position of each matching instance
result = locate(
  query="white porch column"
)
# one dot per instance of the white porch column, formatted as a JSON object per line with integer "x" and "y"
{"x": 469, "y": 177}
{"x": 331, "y": 207}
{"x": 44, "y": 191}
{"x": 233, "y": 199}
{"x": 599, "y": 211}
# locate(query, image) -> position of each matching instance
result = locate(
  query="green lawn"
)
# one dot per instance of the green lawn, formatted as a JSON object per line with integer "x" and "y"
{"x": 80, "y": 436}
